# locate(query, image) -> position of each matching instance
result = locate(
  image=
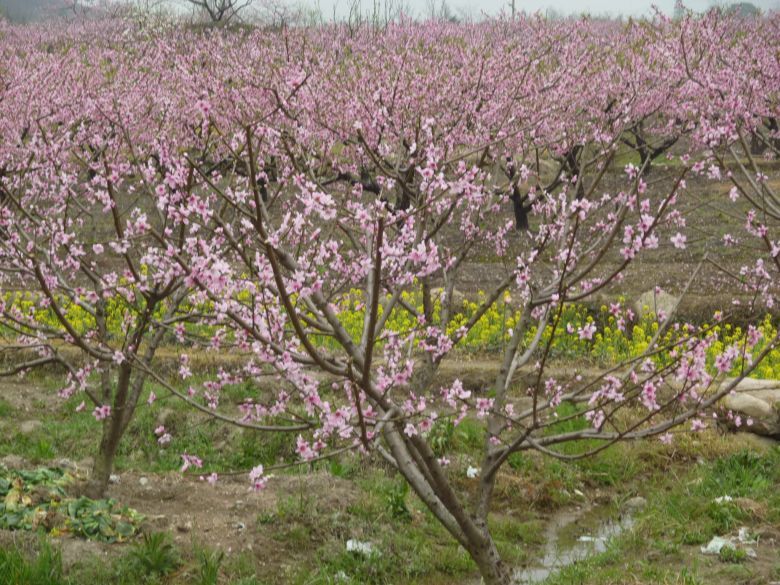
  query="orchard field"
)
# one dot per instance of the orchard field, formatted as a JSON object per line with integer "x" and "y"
{"x": 426, "y": 302}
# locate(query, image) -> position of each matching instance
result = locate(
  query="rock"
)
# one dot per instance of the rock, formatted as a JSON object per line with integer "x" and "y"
{"x": 113, "y": 478}
{"x": 653, "y": 302}
{"x": 143, "y": 481}
{"x": 770, "y": 395}
{"x": 758, "y": 400}
{"x": 749, "y": 405}
{"x": 186, "y": 527}
{"x": 635, "y": 503}
{"x": 752, "y": 384}
{"x": 28, "y": 427}
{"x": 766, "y": 419}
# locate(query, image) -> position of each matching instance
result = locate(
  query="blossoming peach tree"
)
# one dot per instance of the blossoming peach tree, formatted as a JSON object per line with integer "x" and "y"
{"x": 230, "y": 190}
{"x": 82, "y": 288}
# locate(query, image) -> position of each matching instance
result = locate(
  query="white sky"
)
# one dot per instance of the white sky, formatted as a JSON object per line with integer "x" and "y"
{"x": 475, "y": 7}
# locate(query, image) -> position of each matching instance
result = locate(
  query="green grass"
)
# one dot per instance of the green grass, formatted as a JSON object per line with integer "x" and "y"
{"x": 44, "y": 569}
{"x": 411, "y": 544}
{"x": 71, "y": 435}
{"x": 689, "y": 515}
{"x": 744, "y": 474}
{"x": 5, "y": 408}
{"x": 682, "y": 515}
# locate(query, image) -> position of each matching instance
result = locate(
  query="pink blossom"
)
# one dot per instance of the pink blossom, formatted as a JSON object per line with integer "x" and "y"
{"x": 257, "y": 479}
{"x": 102, "y": 412}
{"x": 679, "y": 240}
{"x": 163, "y": 437}
{"x": 698, "y": 425}
{"x": 211, "y": 479}
{"x": 483, "y": 406}
{"x": 586, "y": 332}
{"x": 190, "y": 461}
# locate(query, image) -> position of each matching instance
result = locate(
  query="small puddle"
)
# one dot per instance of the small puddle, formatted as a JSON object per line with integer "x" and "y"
{"x": 570, "y": 538}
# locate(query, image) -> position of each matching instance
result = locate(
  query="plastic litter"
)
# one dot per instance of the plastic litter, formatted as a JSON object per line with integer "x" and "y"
{"x": 363, "y": 548}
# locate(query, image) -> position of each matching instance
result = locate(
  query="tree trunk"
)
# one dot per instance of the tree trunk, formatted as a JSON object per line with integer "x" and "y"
{"x": 491, "y": 567}
{"x": 104, "y": 461}
{"x": 645, "y": 161}
{"x": 757, "y": 147}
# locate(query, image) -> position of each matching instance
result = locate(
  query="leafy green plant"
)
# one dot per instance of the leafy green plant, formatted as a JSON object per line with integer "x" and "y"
{"x": 725, "y": 516}
{"x": 395, "y": 500}
{"x": 729, "y": 554}
{"x": 155, "y": 555}
{"x": 28, "y": 495}
{"x": 441, "y": 436}
{"x": 37, "y": 499}
{"x": 209, "y": 564}
{"x": 101, "y": 520}
{"x": 43, "y": 450}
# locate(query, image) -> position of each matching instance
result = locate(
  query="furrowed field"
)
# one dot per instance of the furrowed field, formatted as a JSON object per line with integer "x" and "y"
{"x": 424, "y": 302}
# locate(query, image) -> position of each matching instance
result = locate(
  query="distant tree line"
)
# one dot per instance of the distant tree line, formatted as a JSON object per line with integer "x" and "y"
{"x": 280, "y": 13}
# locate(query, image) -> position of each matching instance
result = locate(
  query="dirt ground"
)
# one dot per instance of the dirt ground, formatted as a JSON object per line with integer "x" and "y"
{"x": 220, "y": 517}
{"x": 225, "y": 516}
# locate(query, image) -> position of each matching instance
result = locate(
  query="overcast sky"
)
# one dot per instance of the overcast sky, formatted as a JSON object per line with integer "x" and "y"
{"x": 625, "y": 7}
